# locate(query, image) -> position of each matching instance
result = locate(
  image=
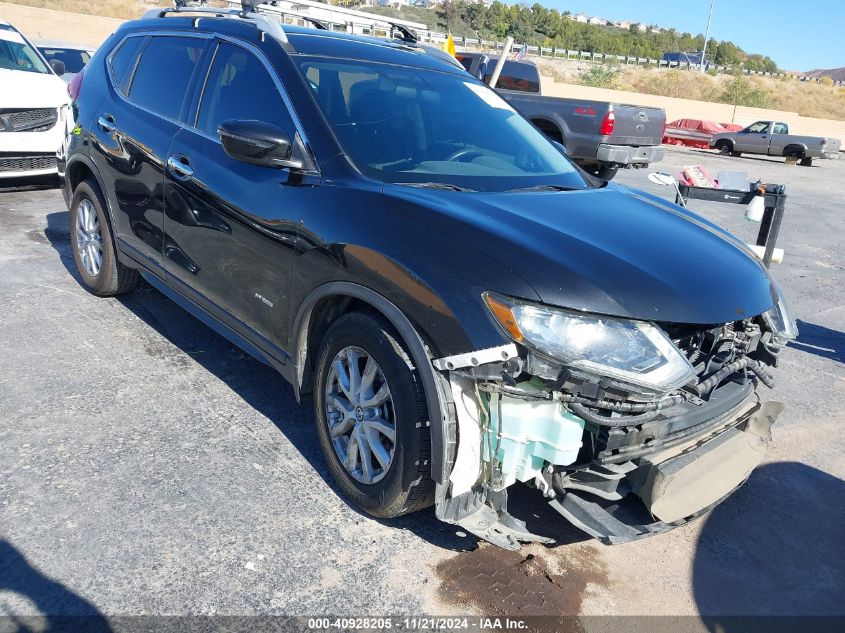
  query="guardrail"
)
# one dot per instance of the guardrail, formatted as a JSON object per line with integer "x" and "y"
{"x": 545, "y": 52}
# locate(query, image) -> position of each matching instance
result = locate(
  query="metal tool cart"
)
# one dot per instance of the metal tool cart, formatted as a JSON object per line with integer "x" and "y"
{"x": 774, "y": 205}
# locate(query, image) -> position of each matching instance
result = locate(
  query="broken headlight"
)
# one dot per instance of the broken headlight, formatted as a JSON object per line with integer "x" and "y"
{"x": 635, "y": 352}
{"x": 779, "y": 318}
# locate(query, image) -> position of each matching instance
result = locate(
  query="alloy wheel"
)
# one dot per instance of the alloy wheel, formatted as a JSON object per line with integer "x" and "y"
{"x": 89, "y": 240}
{"x": 360, "y": 415}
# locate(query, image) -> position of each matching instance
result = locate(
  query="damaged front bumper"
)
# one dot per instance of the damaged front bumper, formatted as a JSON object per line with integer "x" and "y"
{"x": 641, "y": 485}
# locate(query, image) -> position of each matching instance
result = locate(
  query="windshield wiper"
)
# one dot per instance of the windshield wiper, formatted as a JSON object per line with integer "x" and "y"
{"x": 542, "y": 188}
{"x": 434, "y": 185}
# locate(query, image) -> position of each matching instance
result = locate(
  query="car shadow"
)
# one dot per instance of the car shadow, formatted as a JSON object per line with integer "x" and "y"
{"x": 820, "y": 340}
{"x": 775, "y": 548}
{"x": 778, "y": 160}
{"x": 36, "y": 183}
{"x": 58, "y": 608}
{"x": 260, "y": 386}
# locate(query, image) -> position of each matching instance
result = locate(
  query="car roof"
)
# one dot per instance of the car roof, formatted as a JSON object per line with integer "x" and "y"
{"x": 310, "y": 41}
{"x": 314, "y": 42}
{"x": 64, "y": 45}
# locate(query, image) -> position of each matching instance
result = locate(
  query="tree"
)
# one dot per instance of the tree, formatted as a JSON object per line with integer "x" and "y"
{"x": 741, "y": 91}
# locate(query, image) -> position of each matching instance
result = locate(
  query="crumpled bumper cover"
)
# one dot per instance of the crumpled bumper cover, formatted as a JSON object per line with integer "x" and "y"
{"x": 673, "y": 490}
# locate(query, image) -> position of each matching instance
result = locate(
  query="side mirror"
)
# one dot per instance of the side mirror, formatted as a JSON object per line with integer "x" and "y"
{"x": 58, "y": 66}
{"x": 257, "y": 143}
{"x": 559, "y": 145}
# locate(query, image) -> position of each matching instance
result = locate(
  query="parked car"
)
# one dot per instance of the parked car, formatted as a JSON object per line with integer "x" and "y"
{"x": 34, "y": 108}
{"x": 467, "y": 309}
{"x": 601, "y": 137}
{"x": 772, "y": 138}
{"x": 73, "y": 57}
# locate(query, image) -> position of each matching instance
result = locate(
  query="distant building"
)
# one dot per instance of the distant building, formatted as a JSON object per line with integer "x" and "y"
{"x": 623, "y": 24}
{"x": 597, "y": 20}
{"x": 580, "y": 17}
{"x": 642, "y": 28}
{"x": 396, "y": 4}
{"x": 656, "y": 29}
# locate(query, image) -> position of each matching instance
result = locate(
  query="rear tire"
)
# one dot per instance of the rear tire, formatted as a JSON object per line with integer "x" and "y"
{"x": 806, "y": 162}
{"x": 345, "y": 422}
{"x": 725, "y": 147}
{"x": 93, "y": 246}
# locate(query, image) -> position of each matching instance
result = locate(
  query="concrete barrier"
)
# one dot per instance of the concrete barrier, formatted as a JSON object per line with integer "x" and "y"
{"x": 690, "y": 109}
{"x": 47, "y": 24}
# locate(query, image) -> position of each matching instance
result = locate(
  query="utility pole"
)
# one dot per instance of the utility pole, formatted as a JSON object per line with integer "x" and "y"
{"x": 707, "y": 35}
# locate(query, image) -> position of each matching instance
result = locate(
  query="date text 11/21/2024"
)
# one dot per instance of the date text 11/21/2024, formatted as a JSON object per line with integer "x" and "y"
{"x": 422, "y": 623}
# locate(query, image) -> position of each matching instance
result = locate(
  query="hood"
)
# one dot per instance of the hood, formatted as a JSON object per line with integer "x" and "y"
{"x": 614, "y": 251}
{"x": 22, "y": 89}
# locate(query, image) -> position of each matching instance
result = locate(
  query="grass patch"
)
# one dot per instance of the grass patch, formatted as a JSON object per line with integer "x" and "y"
{"x": 122, "y": 9}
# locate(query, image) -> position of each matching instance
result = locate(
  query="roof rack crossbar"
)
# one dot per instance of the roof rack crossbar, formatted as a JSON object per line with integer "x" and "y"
{"x": 408, "y": 35}
{"x": 247, "y": 12}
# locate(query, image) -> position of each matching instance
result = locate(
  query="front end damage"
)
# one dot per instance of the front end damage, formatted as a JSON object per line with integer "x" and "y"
{"x": 618, "y": 460}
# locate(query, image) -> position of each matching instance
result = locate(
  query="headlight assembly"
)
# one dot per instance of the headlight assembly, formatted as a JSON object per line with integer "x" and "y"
{"x": 636, "y": 352}
{"x": 779, "y": 318}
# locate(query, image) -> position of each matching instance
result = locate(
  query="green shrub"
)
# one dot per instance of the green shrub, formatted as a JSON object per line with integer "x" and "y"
{"x": 598, "y": 77}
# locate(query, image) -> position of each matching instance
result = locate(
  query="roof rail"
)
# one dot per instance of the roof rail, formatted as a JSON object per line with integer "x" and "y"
{"x": 247, "y": 12}
{"x": 320, "y": 24}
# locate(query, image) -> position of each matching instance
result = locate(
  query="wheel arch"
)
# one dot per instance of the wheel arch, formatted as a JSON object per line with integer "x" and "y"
{"x": 326, "y": 303}
{"x": 798, "y": 150}
{"x": 549, "y": 128}
{"x": 78, "y": 169}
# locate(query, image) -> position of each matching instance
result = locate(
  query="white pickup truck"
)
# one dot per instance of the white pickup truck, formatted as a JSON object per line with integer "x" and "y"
{"x": 772, "y": 138}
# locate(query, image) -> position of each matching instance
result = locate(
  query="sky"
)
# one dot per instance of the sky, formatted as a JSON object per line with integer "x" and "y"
{"x": 797, "y": 34}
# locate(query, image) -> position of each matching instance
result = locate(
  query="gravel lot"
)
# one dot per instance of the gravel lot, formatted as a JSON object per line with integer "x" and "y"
{"x": 149, "y": 467}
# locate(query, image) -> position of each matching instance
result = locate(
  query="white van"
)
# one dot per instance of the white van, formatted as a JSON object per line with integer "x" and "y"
{"x": 34, "y": 108}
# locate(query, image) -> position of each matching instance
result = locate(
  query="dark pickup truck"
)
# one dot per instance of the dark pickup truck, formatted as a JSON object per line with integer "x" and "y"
{"x": 600, "y": 136}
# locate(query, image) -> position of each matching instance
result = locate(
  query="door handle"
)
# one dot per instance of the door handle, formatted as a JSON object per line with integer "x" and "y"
{"x": 180, "y": 166}
{"x": 106, "y": 123}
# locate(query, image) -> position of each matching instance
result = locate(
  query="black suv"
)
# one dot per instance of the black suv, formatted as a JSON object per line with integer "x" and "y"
{"x": 468, "y": 308}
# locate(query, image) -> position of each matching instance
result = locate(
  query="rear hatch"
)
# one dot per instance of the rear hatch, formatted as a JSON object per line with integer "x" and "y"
{"x": 636, "y": 125}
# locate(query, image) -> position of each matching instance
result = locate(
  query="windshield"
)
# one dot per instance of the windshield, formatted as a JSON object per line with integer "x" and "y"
{"x": 409, "y": 125}
{"x": 74, "y": 59}
{"x": 16, "y": 54}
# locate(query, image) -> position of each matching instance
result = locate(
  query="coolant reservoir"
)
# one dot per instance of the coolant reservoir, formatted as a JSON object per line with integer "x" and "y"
{"x": 525, "y": 435}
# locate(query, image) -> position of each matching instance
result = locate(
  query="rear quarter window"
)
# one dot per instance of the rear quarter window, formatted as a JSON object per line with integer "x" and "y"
{"x": 122, "y": 61}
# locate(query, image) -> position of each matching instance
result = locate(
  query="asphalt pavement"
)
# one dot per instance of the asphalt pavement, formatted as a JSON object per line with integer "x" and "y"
{"x": 147, "y": 466}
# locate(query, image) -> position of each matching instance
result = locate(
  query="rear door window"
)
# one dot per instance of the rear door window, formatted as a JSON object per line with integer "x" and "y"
{"x": 164, "y": 71}
{"x": 122, "y": 61}
{"x": 239, "y": 86}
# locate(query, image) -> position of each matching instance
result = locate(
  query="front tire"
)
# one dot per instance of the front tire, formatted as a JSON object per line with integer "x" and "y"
{"x": 606, "y": 172}
{"x": 371, "y": 415}
{"x": 93, "y": 246}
